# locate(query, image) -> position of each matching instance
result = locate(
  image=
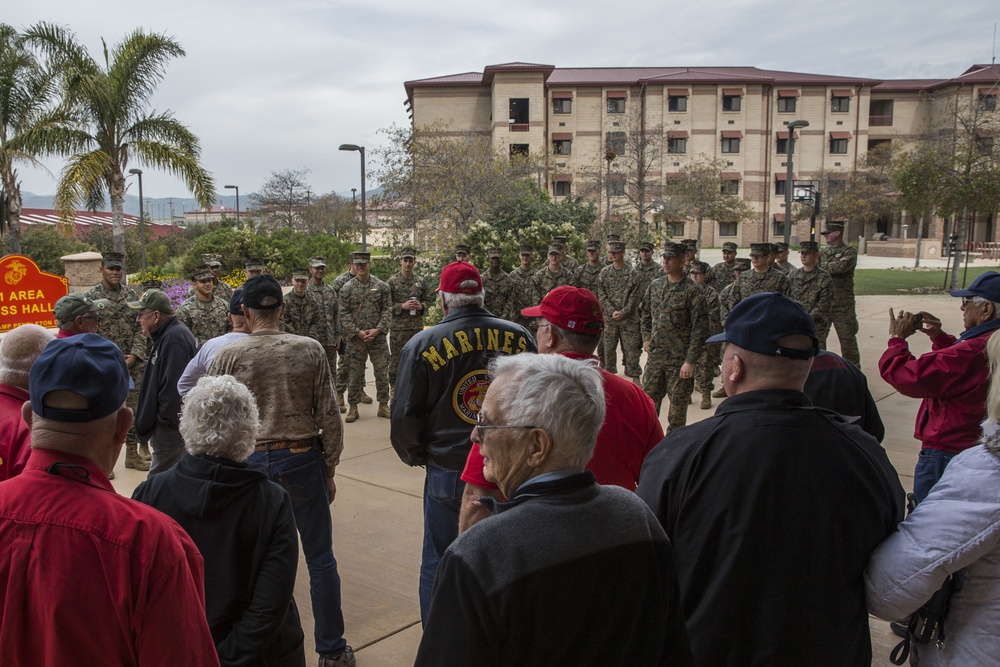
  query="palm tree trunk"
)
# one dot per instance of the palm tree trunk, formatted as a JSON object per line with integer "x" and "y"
{"x": 116, "y": 188}
{"x": 12, "y": 202}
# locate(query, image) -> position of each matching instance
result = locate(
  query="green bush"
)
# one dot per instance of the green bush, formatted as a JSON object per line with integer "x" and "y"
{"x": 45, "y": 245}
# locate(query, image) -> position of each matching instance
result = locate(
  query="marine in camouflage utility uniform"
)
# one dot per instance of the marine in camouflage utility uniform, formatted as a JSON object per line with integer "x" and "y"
{"x": 524, "y": 295}
{"x": 840, "y": 262}
{"x": 707, "y": 367}
{"x": 343, "y": 368}
{"x": 205, "y": 319}
{"x": 366, "y": 305}
{"x": 675, "y": 325}
{"x": 546, "y": 281}
{"x": 328, "y": 328}
{"x": 814, "y": 290}
{"x": 585, "y": 276}
{"x": 752, "y": 282}
{"x": 405, "y": 325}
{"x": 498, "y": 288}
{"x": 303, "y": 315}
{"x": 618, "y": 290}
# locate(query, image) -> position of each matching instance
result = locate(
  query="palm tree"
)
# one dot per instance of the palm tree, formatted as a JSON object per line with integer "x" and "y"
{"x": 116, "y": 122}
{"x": 31, "y": 124}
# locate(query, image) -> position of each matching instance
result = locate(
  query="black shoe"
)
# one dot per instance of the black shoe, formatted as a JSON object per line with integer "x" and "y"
{"x": 899, "y": 629}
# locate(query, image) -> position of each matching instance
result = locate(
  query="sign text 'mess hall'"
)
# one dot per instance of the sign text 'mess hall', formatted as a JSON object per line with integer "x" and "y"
{"x": 27, "y": 294}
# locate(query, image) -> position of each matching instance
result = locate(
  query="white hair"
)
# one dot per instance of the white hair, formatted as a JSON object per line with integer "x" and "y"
{"x": 18, "y": 352}
{"x": 563, "y": 396}
{"x": 980, "y": 300}
{"x": 450, "y": 300}
{"x": 219, "y": 417}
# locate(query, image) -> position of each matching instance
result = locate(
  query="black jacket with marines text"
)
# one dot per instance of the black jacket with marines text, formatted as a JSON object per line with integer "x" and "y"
{"x": 442, "y": 380}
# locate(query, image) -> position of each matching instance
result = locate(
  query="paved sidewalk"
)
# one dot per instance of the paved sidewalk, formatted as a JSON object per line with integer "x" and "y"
{"x": 377, "y": 515}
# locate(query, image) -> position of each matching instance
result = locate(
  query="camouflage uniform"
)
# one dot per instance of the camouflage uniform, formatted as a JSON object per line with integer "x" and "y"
{"x": 303, "y": 315}
{"x": 343, "y": 368}
{"x": 786, "y": 269}
{"x": 546, "y": 281}
{"x": 751, "y": 283}
{"x": 646, "y": 274}
{"x": 586, "y": 276}
{"x": 119, "y": 325}
{"x": 499, "y": 289}
{"x": 725, "y": 302}
{"x": 327, "y": 329}
{"x": 205, "y": 319}
{"x": 813, "y": 289}
{"x": 619, "y": 290}
{"x": 219, "y": 289}
{"x": 722, "y": 274}
{"x": 404, "y": 325}
{"x": 840, "y": 263}
{"x": 708, "y": 363}
{"x": 366, "y": 306}
{"x": 675, "y": 325}
{"x": 524, "y": 295}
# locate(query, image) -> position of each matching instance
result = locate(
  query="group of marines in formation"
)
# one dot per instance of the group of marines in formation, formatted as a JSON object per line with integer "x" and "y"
{"x": 666, "y": 309}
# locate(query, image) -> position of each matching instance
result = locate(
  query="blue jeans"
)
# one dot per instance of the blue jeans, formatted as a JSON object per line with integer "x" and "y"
{"x": 930, "y": 466}
{"x": 302, "y": 475}
{"x": 167, "y": 448}
{"x": 442, "y": 502}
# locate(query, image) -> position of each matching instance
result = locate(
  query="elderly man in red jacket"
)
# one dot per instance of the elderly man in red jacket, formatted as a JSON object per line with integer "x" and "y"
{"x": 952, "y": 379}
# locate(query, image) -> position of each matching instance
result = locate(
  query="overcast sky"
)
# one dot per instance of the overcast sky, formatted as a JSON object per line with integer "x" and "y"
{"x": 280, "y": 85}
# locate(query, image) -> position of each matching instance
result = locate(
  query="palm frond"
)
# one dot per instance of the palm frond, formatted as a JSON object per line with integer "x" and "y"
{"x": 182, "y": 164}
{"x": 81, "y": 175}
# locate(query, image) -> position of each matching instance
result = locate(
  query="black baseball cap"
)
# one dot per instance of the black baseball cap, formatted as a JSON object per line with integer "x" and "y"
{"x": 262, "y": 292}
{"x": 758, "y": 322}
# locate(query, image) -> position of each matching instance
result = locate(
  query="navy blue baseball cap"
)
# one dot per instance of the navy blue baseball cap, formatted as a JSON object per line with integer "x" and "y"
{"x": 86, "y": 364}
{"x": 236, "y": 301}
{"x": 987, "y": 285}
{"x": 758, "y": 322}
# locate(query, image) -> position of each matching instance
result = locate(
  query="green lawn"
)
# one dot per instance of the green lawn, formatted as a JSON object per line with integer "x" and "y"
{"x": 869, "y": 282}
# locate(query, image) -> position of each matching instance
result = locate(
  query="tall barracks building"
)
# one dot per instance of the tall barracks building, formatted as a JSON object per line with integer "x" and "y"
{"x": 736, "y": 114}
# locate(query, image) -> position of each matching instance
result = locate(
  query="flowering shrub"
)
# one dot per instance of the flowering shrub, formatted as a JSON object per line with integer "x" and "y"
{"x": 176, "y": 290}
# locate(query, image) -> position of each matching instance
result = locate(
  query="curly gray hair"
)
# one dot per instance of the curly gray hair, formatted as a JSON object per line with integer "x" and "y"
{"x": 219, "y": 417}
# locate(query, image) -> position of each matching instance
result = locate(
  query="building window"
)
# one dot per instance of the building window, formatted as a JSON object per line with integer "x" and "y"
{"x": 727, "y": 228}
{"x": 786, "y": 104}
{"x": 779, "y": 187}
{"x": 677, "y": 103}
{"x": 880, "y": 113}
{"x": 779, "y": 228}
{"x": 617, "y": 186}
{"x": 840, "y": 104}
{"x": 987, "y": 102}
{"x": 838, "y": 146}
{"x": 677, "y": 146}
{"x": 562, "y": 106}
{"x": 730, "y": 145}
{"x": 518, "y": 115}
{"x": 563, "y": 188}
{"x": 562, "y": 147}
{"x": 732, "y": 103}
{"x": 519, "y": 150}
{"x": 616, "y": 105}
{"x": 616, "y": 142}
{"x": 781, "y": 146}
{"x": 730, "y": 187}
{"x": 674, "y": 229}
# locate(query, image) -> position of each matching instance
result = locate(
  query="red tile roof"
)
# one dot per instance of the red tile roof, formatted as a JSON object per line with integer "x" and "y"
{"x": 86, "y": 220}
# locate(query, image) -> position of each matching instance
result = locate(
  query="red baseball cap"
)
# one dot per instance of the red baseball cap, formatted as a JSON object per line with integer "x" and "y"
{"x": 460, "y": 278}
{"x": 572, "y": 308}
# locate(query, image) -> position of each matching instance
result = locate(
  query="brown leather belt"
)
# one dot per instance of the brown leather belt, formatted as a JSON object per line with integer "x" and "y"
{"x": 275, "y": 445}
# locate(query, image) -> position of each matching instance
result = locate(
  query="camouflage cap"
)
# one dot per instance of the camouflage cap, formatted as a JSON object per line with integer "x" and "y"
{"x": 781, "y": 246}
{"x": 494, "y": 252}
{"x": 409, "y": 252}
{"x": 808, "y": 247}
{"x": 361, "y": 258}
{"x": 774, "y": 248}
{"x": 699, "y": 267}
{"x": 646, "y": 245}
{"x": 526, "y": 250}
{"x": 560, "y": 239}
{"x": 612, "y": 238}
{"x": 201, "y": 272}
{"x": 616, "y": 246}
{"x": 742, "y": 264}
{"x": 729, "y": 246}
{"x": 254, "y": 264}
{"x": 593, "y": 244}
{"x": 692, "y": 244}
{"x": 113, "y": 260}
{"x": 300, "y": 274}
{"x": 832, "y": 227}
{"x": 760, "y": 249}
{"x": 555, "y": 248}
{"x": 212, "y": 259}
{"x": 76, "y": 304}
{"x": 152, "y": 283}
{"x": 153, "y": 299}
{"x": 673, "y": 249}
{"x": 317, "y": 262}
{"x": 462, "y": 248}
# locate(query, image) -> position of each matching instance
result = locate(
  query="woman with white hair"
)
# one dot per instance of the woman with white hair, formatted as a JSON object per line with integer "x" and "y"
{"x": 954, "y": 531}
{"x": 241, "y": 522}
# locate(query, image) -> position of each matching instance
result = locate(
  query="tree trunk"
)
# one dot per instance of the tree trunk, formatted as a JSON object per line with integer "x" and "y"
{"x": 920, "y": 236}
{"x": 13, "y": 217}
{"x": 956, "y": 259}
{"x": 116, "y": 188}
{"x": 697, "y": 253}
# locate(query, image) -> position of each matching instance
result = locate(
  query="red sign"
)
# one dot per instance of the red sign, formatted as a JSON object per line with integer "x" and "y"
{"x": 27, "y": 294}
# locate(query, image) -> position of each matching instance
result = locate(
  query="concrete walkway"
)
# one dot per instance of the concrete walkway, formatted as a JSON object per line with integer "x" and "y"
{"x": 378, "y": 520}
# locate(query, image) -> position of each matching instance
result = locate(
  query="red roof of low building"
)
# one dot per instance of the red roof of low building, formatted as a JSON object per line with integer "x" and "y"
{"x": 86, "y": 220}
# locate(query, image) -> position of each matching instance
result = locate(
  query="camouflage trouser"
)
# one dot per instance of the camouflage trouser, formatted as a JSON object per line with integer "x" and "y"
{"x": 529, "y": 323}
{"x": 845, "y": 319}
{"x": 331, "y": 358}
{"x": 631, "y": 341}
{"x": 343, "y": 367}
{"x": 707, "y": 369}
{"x": 600, "y": 350}
{"x": 132, "y": 399}
{"x": 357, "y": 357}
{"x": 663, "y": 378}
{"x": 397, "y": 339}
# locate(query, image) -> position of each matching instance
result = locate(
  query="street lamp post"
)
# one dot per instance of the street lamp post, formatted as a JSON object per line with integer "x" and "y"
{"x": 237, "y": 188}
{"x": 364, "y": 218}
{"x": 142, "y": 219}
{"x": 789, "y": 180}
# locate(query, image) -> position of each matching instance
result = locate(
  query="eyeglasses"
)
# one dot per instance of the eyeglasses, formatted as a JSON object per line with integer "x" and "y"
{"x": 483, "y": 425}
{"x": 967, "y": 300}
{"x": 92, "y": 318}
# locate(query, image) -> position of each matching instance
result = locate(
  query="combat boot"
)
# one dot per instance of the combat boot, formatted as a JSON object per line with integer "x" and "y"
{"x": 340, "y": 400}
{"x": 352, "y": 414}
{"x": 383, "y": 410}
{"x": 144, "y": 452}
{"x": 706, "y": 400}
{"x": 721, "y": 393}
{"x": 133, "y": 459}
{"x": 366, "y": 399}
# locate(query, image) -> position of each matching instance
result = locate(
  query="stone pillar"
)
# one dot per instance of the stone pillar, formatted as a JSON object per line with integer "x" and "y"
{"x": 83, "y": 270}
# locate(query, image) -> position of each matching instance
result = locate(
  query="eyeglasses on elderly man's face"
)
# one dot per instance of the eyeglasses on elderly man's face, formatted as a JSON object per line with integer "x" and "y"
{"x": 483, "y": 425}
